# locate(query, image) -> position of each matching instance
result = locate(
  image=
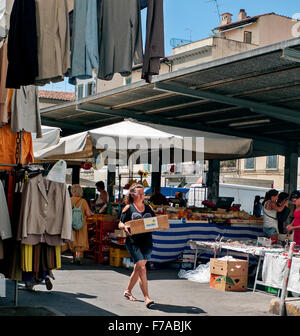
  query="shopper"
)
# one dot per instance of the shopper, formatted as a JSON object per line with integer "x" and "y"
{"x": 80, "y": 242}
{"x": 102, "y": 199}
{"x": 295, "y": 225}
{"x": 257, "y": 207}
{"x": 180, "y": 200}
{"x": 270, "y": 209}
{"x": 157, "y": 198}
{"x": 283, "y": 215}
{"x": 140, "y": 245}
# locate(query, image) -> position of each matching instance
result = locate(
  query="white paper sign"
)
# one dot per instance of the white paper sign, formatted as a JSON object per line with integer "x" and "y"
{"x": 150, "y": 223}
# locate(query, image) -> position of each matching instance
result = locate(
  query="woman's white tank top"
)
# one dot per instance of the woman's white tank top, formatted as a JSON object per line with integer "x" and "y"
{"x": 270, "y": 218}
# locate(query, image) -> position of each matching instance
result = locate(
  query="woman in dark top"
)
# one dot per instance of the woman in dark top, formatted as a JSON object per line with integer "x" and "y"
{"x": 139, "y": 245}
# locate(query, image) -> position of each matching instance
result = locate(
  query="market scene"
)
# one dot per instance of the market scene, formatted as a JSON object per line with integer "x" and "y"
{"x": 147, "y": 174}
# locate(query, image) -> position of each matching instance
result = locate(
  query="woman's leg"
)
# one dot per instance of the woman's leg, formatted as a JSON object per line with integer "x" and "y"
{"x": 143, "y": 280}
{"x": 134, "y": 277}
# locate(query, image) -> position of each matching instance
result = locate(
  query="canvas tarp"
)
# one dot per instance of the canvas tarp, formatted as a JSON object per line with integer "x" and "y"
{"x": 215, "y": 145}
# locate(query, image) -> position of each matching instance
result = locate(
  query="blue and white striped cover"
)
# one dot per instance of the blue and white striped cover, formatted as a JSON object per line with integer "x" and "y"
{"x": 169, "y": 245}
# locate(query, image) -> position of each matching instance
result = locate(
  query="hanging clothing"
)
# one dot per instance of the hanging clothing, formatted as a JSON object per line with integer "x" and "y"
{"x": 25, "y": 111}
{"x": 2, "y": 19}
{"x": 46, "y": 208}
{"x": 8, "y": 142}
{"x": 84, "y": 45}
{"x": 120, "y": 37}
{"x": 81, "y": 241}
{"x": 155, "y": 46}
{"x": 3, "y": 90}
{"x": 22, "y": 45}
{"x": 52, "y": 19}
{"x": 144, "y": 3}
{"x": 40, "y": 258}
{"x": 5, "y": 225}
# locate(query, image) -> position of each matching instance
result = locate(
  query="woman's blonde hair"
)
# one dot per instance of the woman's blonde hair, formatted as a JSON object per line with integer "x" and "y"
{"x": 76, "y": 190}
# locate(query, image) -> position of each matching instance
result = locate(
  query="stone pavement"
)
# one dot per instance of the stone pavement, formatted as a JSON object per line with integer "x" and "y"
{"x": 97, "y": 290}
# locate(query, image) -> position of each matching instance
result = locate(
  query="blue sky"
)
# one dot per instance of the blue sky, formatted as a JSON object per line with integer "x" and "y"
{"x": 195, "y": 19}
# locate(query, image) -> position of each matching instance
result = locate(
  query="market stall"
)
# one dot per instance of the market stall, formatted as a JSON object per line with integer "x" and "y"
{"x": 272, "y": 259}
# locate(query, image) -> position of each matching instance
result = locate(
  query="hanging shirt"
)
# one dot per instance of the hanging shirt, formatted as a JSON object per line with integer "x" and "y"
{"x": 120, "y": 37}
{"x": 3, "y": 90}
{"x": 25, "y": 111}
{"x": 22, "y": 45}
{"x": 155, "y": 48}
{"x": 84, "y": 46}
{"x": 52, "y": 18}
{"x": 5, "y": 226}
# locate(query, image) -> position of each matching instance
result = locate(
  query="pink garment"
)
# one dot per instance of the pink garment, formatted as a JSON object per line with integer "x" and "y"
{"x": 297, "y": 223}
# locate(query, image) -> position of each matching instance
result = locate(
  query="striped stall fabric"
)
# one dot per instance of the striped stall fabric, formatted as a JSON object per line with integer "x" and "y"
{"x": 171, "y": 244}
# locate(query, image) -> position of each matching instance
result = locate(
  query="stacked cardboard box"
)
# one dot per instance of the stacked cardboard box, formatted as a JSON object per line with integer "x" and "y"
{"x": 229, "y": 275}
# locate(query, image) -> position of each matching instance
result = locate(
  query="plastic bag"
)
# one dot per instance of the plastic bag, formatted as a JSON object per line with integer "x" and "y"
{"x": 200, "y": 274}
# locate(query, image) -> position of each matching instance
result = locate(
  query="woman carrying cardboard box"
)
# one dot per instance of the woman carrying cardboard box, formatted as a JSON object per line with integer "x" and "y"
{"x": 139, "y": 245}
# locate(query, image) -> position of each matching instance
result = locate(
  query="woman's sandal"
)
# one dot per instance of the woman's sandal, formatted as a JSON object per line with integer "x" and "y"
{"x": 150, "y": 304}
{"x": 129, "y": 296}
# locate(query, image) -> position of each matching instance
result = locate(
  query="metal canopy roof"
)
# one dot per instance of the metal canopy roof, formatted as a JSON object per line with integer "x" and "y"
{"x": 255, "y": 94}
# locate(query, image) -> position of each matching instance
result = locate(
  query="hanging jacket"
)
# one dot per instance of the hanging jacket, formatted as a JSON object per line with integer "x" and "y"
{"x": 144, "y": 3}
{"x": 154, "y": 48}
{"x": 22, "y": 45}
{"x": 25, "y": 111}
{"x": 46, "y": 208}
{"x": 84, "y": 45}
{"x": 52, "y": 19}
{"x": 120, "y": 37}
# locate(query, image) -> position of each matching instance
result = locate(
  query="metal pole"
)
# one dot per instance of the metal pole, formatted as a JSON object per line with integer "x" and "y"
{"x": 16, "y": 293}
{"x": 286, "y": 280}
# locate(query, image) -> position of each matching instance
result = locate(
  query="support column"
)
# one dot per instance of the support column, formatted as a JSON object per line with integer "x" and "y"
{"x": 75, "y": 174}
{"x": 290, "y": 172}
{"x": 156, "y": 176}
{"x": 111, "y": 181}
{"x": 213, "y": 180}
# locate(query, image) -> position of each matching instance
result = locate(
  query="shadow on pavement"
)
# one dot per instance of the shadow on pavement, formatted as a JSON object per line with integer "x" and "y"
{"x": 68, "y": 304}
{"x": 166, "y": 308}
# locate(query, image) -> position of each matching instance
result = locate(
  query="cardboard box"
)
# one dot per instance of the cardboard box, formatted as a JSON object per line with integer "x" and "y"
{"x": 149, "y": 224}
{"x": 228, "y": 267}
{"x": 226, "y": 283}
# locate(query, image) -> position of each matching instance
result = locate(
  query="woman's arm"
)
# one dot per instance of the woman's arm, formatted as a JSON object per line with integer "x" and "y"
{"x": 103, "y": 208}
{"x": 123, "y": 226}
{"x": 88, "y": 211}
{"x": 279, "y": 208}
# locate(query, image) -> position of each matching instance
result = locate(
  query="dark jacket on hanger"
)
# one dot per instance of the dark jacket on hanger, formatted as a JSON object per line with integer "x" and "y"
{"x": 155, "y": 48}
{"x": 144, "y": 3}
{"x": 120, "y": 37}
{"x": 22, "y": 45}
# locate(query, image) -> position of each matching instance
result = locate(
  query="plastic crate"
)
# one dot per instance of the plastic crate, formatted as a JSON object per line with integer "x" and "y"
{"x": 115, "y": 261}
{"x": 116, "y": 252}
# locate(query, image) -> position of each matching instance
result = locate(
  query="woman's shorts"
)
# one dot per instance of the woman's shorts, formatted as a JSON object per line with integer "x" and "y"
{"x": 138, "y": 253}
{"x": 269, "y": 231}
